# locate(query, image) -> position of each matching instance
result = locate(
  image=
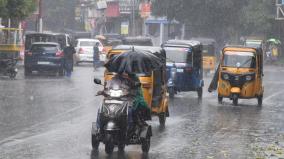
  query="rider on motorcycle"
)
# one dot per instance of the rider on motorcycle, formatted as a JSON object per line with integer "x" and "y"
{"x": 140, "y": 110}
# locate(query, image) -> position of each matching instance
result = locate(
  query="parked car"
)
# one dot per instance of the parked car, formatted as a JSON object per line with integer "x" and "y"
{"x": 44, "y": 56}
{"x": 84, "y": 50}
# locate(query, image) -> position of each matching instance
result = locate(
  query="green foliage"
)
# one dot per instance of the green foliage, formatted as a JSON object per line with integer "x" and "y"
{"x": 17, "y": 9}
{"x": 221, "y": 18}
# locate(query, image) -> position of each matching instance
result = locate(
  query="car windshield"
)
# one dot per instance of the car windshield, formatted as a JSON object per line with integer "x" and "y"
{"x": 44, "y": 48}
{"x": 239, "y": 59}
{"x": 88, "y": 43}
{"x": 176, "y": 54}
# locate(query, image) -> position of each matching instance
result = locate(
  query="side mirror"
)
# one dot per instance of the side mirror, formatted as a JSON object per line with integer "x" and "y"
{"x": 97, "y": 81}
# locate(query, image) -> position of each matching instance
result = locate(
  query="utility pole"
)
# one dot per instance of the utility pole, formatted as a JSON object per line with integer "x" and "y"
{"x": 133, "y": 18}
{"x": 40, "y": 23}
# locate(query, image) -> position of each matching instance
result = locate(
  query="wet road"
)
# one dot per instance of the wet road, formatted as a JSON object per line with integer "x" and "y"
{"x": 44, "y": 117}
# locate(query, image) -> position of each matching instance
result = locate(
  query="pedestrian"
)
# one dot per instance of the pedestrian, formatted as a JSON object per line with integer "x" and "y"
{"x": 96, "y": 56}
{"x": 68, "y": 51}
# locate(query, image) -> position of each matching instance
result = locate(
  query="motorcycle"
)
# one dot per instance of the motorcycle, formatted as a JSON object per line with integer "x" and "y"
{"x": 114, "y": 126}
{"x": 8, "y": 68}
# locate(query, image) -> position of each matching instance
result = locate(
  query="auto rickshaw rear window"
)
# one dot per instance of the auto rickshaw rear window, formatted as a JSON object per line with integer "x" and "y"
{"x": 239, "y": 59}
{"x": 178, "y": 55}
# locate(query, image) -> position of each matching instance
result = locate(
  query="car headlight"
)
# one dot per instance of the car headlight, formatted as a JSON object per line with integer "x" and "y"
{"x": 226, "y": 76}
{"x": 248, "y": 77}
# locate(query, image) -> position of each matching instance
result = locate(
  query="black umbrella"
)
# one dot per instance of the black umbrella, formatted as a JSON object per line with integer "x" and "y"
{"x": 134, "y": 62}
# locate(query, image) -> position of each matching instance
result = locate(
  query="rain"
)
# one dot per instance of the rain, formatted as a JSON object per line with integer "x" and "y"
{"x": 141, "y": 79}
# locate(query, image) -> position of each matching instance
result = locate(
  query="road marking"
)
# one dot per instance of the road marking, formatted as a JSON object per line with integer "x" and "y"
{"x": 272, "y": 96}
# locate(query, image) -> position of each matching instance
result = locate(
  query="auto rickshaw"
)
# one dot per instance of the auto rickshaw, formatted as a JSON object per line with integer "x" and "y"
{"x": 209, "y": 54}
{"x": 240, "y": 74}
{"x": 109, "y": 41}
{"x": 10, "y": 47}
{"x": 184, "y": 66}
{"x": 153, "y": 85}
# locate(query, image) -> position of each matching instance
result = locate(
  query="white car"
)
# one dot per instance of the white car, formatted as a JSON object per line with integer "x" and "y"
{"x": 84, "y": 50}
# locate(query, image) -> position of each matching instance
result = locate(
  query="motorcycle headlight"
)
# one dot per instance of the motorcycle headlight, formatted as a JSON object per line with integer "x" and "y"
{"x": 226, "y": 76}
{"x": 115, "y": 93}
{"x": 248, "y": 78}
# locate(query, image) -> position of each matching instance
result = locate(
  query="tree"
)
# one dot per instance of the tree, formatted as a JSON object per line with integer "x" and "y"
{"x": 218, "y": 19}
{"x": 16, "y": 10}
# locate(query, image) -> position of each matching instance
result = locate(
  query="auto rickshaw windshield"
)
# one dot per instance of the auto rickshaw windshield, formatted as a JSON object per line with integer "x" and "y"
{"x": 208, "y": 50}
{"x": 178, "y": 55}
{"x": 239, "y": 59}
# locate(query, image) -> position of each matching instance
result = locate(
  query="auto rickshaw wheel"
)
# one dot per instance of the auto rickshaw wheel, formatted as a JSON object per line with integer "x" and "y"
{"x": 109, "y": 146}
{"x": 259, "y": 101}
{"x": 146, "y": 144}
{"x": 162, "y": 119}
{"x": 235, "y": 99}
{"x": 220, "y": 99}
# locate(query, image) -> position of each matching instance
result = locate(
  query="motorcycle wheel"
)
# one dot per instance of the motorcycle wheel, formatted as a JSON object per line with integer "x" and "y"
{"x": 121, "y": 147}
{"x": 95, "y": 142}
{"x": 109, "y": 146}
{"x": 146, "y": 144}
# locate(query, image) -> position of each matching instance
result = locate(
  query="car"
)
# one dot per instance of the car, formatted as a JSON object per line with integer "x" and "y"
{"x": 44, "y": 56}
{"x": 84, "y": 50}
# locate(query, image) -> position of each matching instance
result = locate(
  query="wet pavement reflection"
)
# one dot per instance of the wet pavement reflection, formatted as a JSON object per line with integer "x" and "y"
{"x": 45, "y": 116}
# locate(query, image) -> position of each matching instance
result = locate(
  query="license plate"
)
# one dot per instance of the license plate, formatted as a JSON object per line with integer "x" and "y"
{"x": 43, "y": 63}
{"x": 180, "y": 70}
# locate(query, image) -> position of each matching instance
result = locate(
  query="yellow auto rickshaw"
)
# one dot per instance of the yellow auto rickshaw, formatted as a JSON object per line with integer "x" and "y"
{"x": 10, "y": 48}
{"x": 241, "y": 74}
{"x": 154, "y": 86}
{"x": 209, "y": 54}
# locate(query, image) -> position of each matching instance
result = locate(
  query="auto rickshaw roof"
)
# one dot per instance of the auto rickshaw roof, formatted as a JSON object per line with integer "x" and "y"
{"x": 205, "y": 41}
{"x": 182, "y": 43}
{"x": 158, "y": 51}
{"x": 243, "y": 49}
{"x": 44, "y": 34}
